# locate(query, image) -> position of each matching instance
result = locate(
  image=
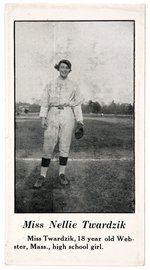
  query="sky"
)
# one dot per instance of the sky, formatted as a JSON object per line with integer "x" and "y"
{"x": 101, "y": 54}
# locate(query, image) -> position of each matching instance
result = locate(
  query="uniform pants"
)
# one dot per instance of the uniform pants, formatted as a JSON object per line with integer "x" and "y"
{"x": 60, "y": 129}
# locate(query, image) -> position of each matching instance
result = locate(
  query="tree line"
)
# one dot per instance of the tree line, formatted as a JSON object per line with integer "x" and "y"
{"x": 89, "y": 107}
{"x": 111, "y": 108}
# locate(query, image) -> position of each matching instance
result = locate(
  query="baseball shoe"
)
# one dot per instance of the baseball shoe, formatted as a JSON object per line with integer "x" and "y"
{"x": 39, "y": 183}
{"x": 63, "y": 180}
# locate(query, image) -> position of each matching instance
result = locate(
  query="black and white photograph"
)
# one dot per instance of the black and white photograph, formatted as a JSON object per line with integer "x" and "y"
{"x": 74, "y": 116}
{"x": 75, "y": 105}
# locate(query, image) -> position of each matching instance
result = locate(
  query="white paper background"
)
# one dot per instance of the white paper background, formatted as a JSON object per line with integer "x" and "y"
{"x": 2, "y": 147}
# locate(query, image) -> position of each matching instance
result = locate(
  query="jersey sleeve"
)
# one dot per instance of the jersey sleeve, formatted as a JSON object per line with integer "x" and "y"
{"x": 45, "y": 101}
{"x": 78, "y": 100}
{"x": 78, "y": 113}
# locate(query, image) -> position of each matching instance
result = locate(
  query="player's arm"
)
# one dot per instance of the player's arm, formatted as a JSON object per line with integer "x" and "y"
{"x": 44, "y": 106}
{"x": 79, "y": 131}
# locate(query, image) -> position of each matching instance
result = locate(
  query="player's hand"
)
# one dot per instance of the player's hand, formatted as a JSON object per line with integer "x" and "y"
{"x": 79, "y": 131}
{"x": 44, "y": 123}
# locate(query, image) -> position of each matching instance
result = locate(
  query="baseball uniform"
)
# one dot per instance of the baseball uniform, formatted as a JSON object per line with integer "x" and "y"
{"x": 61, "y": 105}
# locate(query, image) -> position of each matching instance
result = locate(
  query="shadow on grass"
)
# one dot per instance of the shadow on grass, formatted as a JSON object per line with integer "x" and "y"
{"x": 30, "y": 200}
{"x": 48, "y": 199}
{"x": 95, "y": 187}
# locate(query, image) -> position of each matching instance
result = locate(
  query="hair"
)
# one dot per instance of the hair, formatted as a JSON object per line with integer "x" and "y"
{"x": 67, "y": 62}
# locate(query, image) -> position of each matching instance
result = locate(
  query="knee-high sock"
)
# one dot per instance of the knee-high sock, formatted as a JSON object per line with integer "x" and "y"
{"x": 62, "y": 164}
{"x": 44, "y": 166}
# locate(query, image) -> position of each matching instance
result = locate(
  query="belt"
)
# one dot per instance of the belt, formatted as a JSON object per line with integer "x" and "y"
{"x": 60, "y": 107}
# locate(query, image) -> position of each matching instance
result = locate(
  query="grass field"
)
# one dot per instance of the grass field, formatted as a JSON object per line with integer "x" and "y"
{"x": 101, "y": 181}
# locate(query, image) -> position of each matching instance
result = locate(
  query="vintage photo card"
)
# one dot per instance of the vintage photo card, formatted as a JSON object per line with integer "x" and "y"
{"x": 75, "y": 134}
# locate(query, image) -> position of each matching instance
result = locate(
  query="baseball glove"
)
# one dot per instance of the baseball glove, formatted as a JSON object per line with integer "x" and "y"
{"x": 79, "y": 131}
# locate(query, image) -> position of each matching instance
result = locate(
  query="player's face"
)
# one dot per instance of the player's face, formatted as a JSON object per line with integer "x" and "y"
{"x": 64, "y": 70}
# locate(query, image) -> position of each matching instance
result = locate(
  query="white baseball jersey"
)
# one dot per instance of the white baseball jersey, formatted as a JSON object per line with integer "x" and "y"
{"x": 65, "y": 93}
